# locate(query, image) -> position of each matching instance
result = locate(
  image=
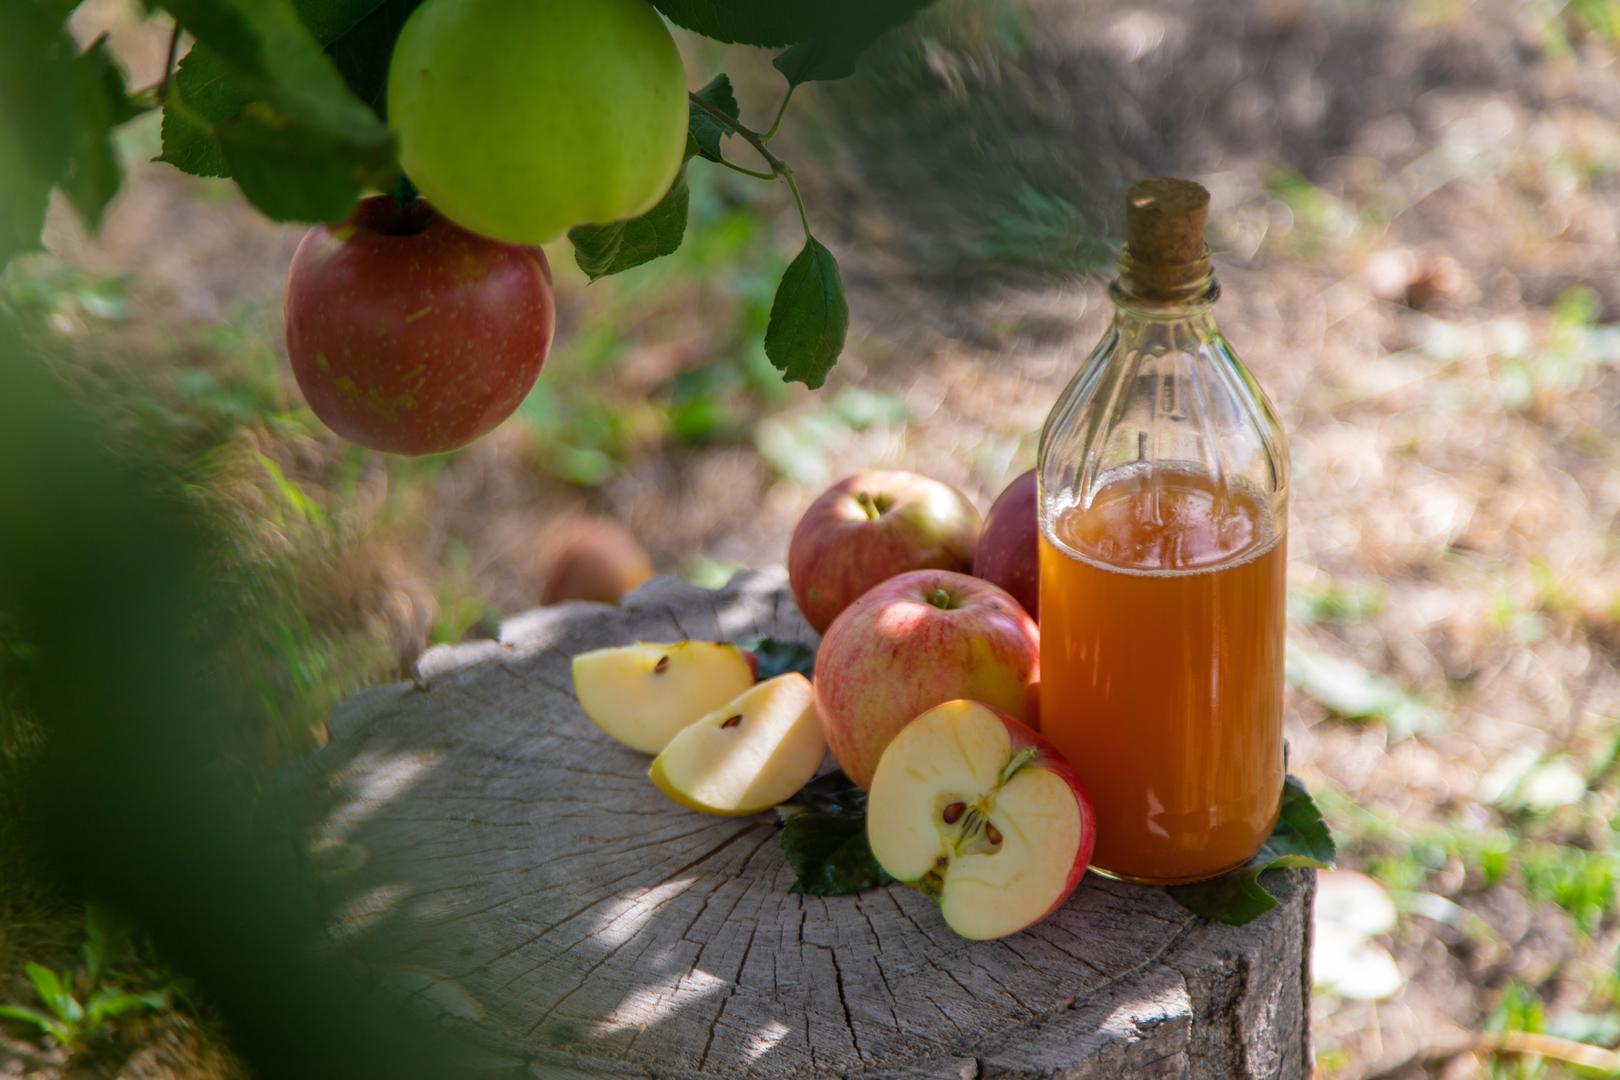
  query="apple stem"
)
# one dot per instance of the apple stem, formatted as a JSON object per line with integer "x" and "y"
{"x": 942, "y": 599}
{"x": 1018, "y": 761}
{"x": 869, "y": 504}
{"x": 779, "y": 168}
{"x": 168, "y": 65}
{"x": 405, "y": 192}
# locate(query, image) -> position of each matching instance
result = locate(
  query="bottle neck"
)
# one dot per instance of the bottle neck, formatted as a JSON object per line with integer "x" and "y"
{"x": 1158, "y": 290}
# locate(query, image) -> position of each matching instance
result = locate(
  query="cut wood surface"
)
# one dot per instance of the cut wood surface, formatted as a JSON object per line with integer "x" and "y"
{"x": 542, "y": 887}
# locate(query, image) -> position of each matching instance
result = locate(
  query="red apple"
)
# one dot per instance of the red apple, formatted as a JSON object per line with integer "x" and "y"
{"x": 409, "y": 334}
{"x": 869, "y": 527}
{"x": 594, "y": 559}
{"x": 915, "y": 641}
{"x": 1009, "y": 547}
{"x": 982, "y": 814}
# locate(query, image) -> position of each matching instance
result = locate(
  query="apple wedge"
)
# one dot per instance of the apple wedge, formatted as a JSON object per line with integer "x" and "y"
{"x": 756, "y": 752}
{"x": 979, "y": 812}
{"x": 643, "y": 694}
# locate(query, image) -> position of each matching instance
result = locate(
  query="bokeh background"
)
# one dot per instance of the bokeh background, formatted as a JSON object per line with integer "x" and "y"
{"x": 1417, "y": 226}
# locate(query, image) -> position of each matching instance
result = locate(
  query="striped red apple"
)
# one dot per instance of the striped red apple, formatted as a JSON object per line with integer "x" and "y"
{"x": 869, "y": 527}
{"x": 913, "y": 642}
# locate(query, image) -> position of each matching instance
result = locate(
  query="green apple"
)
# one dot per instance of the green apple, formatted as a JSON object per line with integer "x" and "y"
{"x": 747, "y": 757}
{"x": 644, "y": 694}
{"x": 520, "y": 119}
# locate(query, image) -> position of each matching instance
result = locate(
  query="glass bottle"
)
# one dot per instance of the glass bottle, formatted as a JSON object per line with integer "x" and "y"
{"x": 1163, "y": 512}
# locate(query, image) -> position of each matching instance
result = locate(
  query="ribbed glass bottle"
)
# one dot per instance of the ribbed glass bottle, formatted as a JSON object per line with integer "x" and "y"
{"x": 1163, "y": 511}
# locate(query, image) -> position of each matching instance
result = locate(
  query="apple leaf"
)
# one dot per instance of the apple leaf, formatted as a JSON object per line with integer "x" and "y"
{"x": 824, "y": 838}
{"x": 601, "y": 250}
{"x": 1300, "y": 838}
{"x": 809, "y": 317}
{"x": 60, "y": 106}
{"x": 834, "y": 53}
{"x": 776, "y": 22}
{"x": 778, "y": 657}
{"x": 258, "y": 100}
{"x": 704, "y": 132}
{"x": 362, "y": 50}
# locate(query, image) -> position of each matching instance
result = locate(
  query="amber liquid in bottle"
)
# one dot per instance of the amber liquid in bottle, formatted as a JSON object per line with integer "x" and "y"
{"x": 1163, "y": 503}
{"x": 1162, "y": 649}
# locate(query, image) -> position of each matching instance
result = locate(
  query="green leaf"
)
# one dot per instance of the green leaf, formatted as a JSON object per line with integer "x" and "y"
{"x": 27, "y": 1016}
{"x": 362, "y": 50}
{"x": 293, "y": 173}
{"x": 106, "y": 940}
{"x": 824, "y": 839}
{"x": 704, "y": 132}
{"x": 1300, "y": 838}
{"x": 107, "y": 1004}
{"x": 773, "y": 22}
{"x": 257, "y": 99}
{"x": 601, "y": 250}
{"x": 778, "y": 657}
{"x": 51, "y": 990}
{"x": 833, "y": 53}
{"x": 201, "y": 95}
{"x": 1350, "y": 690}
{"x": 270, "y": 52}
{"x": 60, "y": 107}
{"x": 809, "y": 318}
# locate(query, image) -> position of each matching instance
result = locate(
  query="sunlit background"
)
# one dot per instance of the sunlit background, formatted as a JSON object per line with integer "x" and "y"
{"x": 1416, "y": 219}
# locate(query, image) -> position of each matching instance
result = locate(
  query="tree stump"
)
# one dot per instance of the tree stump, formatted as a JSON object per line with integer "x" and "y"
{"x": 545, "y": 889}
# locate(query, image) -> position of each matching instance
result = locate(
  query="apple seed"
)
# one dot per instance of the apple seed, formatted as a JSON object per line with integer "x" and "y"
{"x": 992, "y": 834}
{"x": 662, "y": 665}
{"x": 732, "y": 721}
{"x": 953, "y": 813}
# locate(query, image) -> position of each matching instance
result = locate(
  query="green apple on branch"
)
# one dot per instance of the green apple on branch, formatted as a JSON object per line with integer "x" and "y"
{"x": 519, "y": 119}
{"x": 522, "y": 120}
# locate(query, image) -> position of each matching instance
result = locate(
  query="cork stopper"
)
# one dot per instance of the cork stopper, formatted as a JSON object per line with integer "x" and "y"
{"x": 1165, "y": 256}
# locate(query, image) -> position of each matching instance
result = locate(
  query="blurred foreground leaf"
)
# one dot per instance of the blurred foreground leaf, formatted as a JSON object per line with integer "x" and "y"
{"x": 60, "y": 107}
{"x": 113, "y": 581}
{"x": 1300, "y": 838}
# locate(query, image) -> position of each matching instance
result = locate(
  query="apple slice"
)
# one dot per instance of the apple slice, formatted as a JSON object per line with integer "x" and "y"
{"x": 643, "y": 694}
{"x": 979, "y": 812}
{"x": 756, "y": 752}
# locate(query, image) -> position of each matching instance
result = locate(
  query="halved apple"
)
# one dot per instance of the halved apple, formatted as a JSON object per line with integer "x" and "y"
{"x": 756, "y": 752}
{"x": 979, "y": 812}
{"x": 643, "y": 694}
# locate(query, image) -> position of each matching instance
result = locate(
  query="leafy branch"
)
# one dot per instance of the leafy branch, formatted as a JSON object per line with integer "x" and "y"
{"x": 285, "y": 98}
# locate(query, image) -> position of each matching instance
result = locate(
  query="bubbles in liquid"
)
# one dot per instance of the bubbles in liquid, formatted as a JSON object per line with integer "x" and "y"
{"x": 1166, "y": 520}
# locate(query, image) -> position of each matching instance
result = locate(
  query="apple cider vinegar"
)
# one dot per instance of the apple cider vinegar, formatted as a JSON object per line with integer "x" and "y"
{"x": 1163, "y": 511}
{"x": 1165, "y": 661}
